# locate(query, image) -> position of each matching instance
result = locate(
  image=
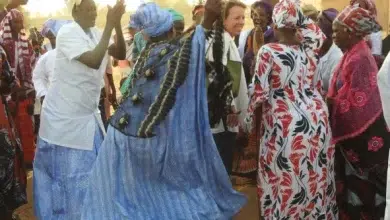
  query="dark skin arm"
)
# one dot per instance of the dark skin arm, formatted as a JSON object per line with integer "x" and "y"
{"x": 112, "y": 97}
{"x": 94, "y": 58}
{"x": 118, "y": 50}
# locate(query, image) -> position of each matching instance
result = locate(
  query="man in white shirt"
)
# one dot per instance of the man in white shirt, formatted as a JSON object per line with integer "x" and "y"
{"x": 71, "y": 128}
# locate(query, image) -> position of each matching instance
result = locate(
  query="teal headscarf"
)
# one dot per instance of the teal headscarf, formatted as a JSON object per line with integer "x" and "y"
{"x": 176, "y": 15}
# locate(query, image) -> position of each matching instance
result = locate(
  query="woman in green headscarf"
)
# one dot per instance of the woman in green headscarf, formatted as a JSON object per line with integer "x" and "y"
{"x": 178, "y": 21}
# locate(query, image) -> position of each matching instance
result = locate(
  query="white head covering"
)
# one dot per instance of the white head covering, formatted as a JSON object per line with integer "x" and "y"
{"x": 71, "y": 3}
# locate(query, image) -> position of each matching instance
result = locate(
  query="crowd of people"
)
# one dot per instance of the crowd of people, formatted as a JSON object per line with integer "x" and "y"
{"x": 297, "y": 105}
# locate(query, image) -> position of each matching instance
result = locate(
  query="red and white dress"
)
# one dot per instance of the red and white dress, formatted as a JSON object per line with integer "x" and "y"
{"x": 296, "y": 159}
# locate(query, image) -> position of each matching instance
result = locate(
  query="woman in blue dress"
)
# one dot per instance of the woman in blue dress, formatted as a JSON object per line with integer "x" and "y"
{"x": 159, "y": 160}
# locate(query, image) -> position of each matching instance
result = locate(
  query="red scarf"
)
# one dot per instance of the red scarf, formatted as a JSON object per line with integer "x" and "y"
{"x": 25, "y": 57}
{"x": 354, "y": 91}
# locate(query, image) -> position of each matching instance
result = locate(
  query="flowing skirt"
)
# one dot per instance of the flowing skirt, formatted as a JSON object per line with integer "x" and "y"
{"x": 12, "y": 173}
{"x": 361, "y": 171}
{"x": 61, "y": 177}
{"x": 154, "y": 179}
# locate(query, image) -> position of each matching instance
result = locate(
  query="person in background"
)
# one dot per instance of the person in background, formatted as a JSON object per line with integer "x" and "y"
{"x": 178, "y": 22}
{"x": 246, "y": 154}
{"x": 374, "y": 39}
{"x": 50, "y": 30}
{"x": 310, "y": 11}
{"x": 358, "y": 126}
{"x": 13, "y": 180}
{"x": 36, "y": 41}
{"x": 22, "y": 60}
{"x": 166, "y": 162}
{"x": 226, "y": 111}
{"x": 71, "y": 129}
{"x": 43, "y": 70}
{"x": 330, "y": 54}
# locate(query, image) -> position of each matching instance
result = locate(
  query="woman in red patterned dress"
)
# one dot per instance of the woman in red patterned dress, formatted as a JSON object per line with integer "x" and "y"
{"x": 12, "y": 173}
{"x": 296, "y": 173}
{"x": 21, "y": 59}
{"x": 358, "y": 125}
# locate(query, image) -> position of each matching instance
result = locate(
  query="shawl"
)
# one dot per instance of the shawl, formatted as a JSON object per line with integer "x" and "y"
{"x": 21, "y": 63}
{"x": 356, "y": 103}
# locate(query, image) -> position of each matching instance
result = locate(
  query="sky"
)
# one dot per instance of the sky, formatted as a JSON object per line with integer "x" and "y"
{"x": 46, "y": 7}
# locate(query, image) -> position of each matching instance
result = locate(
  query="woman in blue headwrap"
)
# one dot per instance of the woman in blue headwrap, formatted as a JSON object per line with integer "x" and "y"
{"x": 50, "y": 30}
{"x": 159, "y": 159}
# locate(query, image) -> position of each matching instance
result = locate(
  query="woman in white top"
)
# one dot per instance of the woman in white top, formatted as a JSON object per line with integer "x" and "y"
{"x": 226, "y": 111}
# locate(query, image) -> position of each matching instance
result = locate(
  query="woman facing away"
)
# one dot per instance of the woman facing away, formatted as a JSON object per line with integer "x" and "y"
{"x": 296, "y": 172}
{"x": 22, "y": 59}
{"x": 12, "y": 173}
{"x": 358, "y": 126}
{"x": 159, "y": 159}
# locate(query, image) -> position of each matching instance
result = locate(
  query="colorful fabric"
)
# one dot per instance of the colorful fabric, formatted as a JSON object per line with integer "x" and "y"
{"x": 152, "y": 20}
{"x": 369, "y": 5}
{"x": 176, "y": 15}
{"x": 150, "y": 176}
{"x": 61, "y": 177}
{"x": 325, "y": 21}
{"x": 13, "y": 180}
{"x": 358, "y": 20}
{"x": 21, "y": 63}
{"x": 361, "y": 171}
{"x": 286, "y": 14}
{"x": 53, "y": 26}
{"x": 296, "y": 170}
{"x": 354, "y": 91}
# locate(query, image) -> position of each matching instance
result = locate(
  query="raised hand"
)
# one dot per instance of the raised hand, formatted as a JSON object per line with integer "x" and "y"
{"x": 115, "y": 13}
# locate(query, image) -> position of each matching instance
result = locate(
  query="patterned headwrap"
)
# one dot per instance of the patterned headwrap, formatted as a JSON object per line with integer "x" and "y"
{"x": 358, "y": 20}
{"x": 152, "y": 20}
{"x": 25, "y": 56}
{"x": 53, "y": 26}
{"x": 71, "y": 3}
{"x": 370, "y": 5}
{"x": 326, "y": 19}
{"x": 267, "y": 8}
{"x": 287, "y": 14}
{"x": 176, "y": 15}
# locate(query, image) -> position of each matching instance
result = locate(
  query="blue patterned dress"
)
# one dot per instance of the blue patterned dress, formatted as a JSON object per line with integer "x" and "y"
{"x": 159, "y": 160}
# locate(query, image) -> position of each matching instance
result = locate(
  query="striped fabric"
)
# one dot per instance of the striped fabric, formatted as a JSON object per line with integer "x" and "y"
{"x": 174, "y": 175}
{"x": 61, "y": 179}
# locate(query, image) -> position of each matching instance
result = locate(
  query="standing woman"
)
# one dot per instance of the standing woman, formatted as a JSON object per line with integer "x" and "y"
{"x": 12, "y": 173}
{"x": 295, "y": 177}
{"x": 246, "y": 156}
{"x": 374, "y": 39}
{"x": 226, "y": 112}
{"x": 358, "y": 125}
{"x": 22, "y": 59}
